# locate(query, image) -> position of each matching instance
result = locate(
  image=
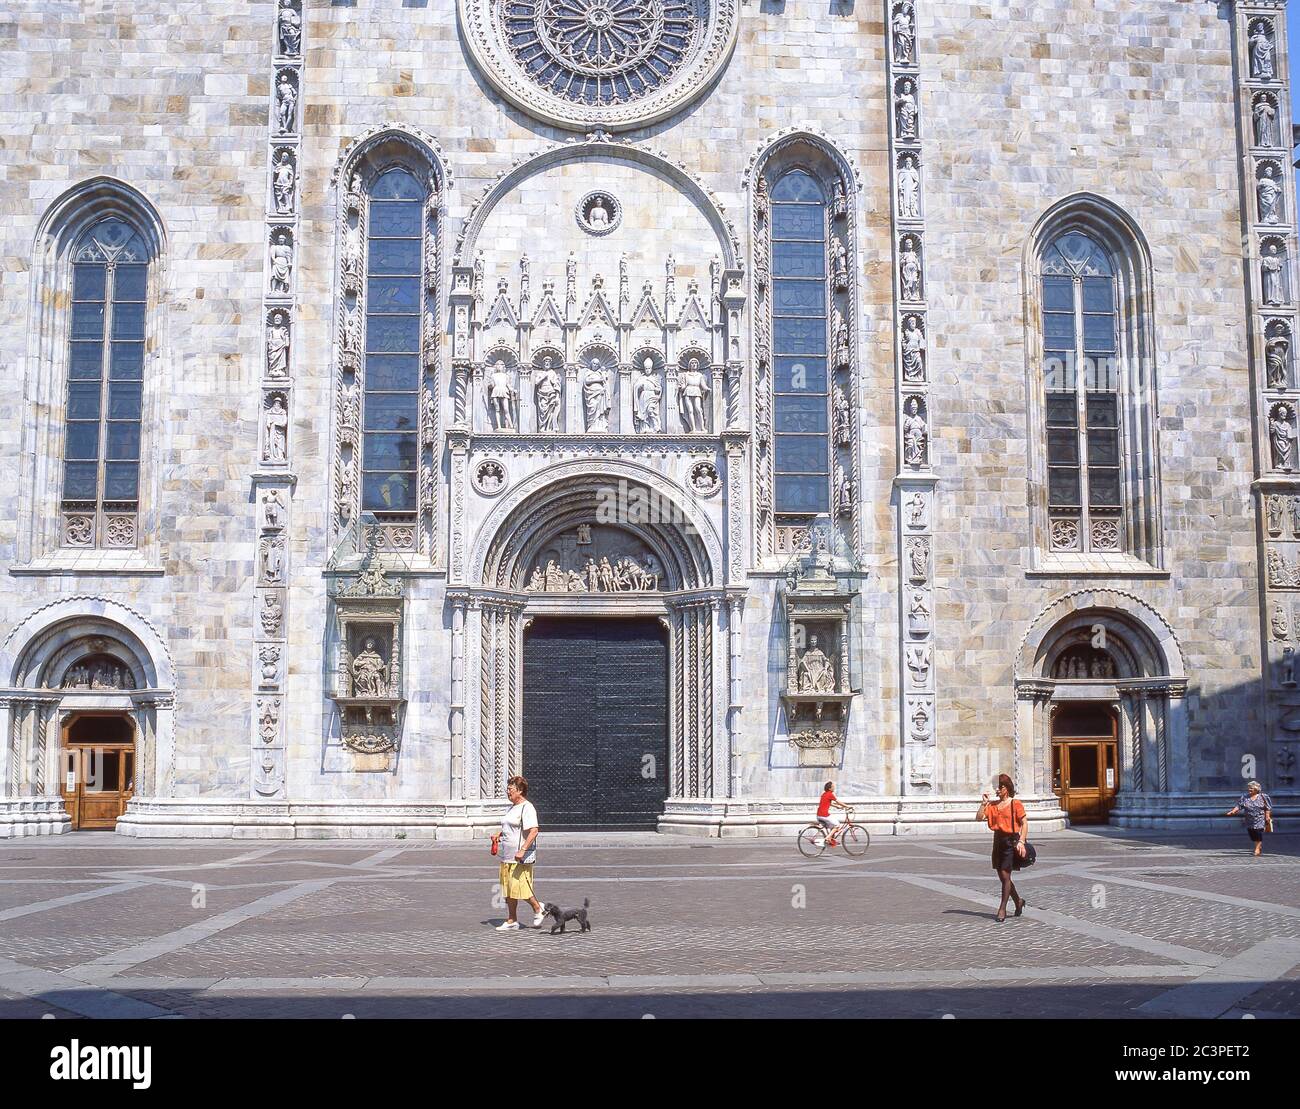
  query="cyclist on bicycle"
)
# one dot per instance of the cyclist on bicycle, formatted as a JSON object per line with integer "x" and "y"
{"x": 824, "y": 818}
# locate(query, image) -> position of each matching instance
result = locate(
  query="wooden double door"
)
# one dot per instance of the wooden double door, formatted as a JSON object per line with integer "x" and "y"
{"x": 97, "y": 768}
{"x": 1085, "y": 761}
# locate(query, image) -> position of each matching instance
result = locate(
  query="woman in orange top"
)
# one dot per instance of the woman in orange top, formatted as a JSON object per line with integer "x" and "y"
{"x": 1006, "y": 816}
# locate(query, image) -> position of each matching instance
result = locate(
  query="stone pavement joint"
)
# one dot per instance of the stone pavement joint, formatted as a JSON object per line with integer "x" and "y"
{"x": 1221, "y": 987}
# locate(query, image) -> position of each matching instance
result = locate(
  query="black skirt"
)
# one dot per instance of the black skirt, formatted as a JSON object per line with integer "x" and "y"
{"x": 1004, "y": 850}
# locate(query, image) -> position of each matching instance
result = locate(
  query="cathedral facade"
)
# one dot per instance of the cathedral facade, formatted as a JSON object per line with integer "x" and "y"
{"x": 679, "y": 402}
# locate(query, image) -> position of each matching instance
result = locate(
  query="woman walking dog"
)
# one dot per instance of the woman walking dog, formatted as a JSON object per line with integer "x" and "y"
{"x": 1006, "y": 816}
{"x": 516, "y": 847}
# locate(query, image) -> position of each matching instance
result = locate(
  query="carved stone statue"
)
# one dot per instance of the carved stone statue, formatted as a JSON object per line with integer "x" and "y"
{"x": 909, "y": 190}
{"x": 273, "y": 510}
{"x": 692, "y": 392}
{"x": 1288, "y": 666}
{"x": 913, "y": 350}
{"x": 290, "y": 30}
{"x": 1261, "y": 52}
{"x": 816, "y": 672}
{"x": 598, "y": 217}
{"x": 843, "y": 491}
{"x": 918, "y": 662}
{"x": 281, "y": 263}
{"x": 595, "y": 397}
{"x": 1269, "y": 192}
{"x": 271, "y": 613}
{"x": 1276, "y": 352}
{"x": 277, "y": 346}
{"x": 1265, "y": 122}
{"x": 276, "y": 422}
{"x": 546, "y": 396}
{"x": 1280, "y": 624}
{"x": 272, "y": 552}
{"x": 916, "y": 511}
{"x": 369, "y": 672}
{"x": 904, "y": 35}
{"x": 1281, "y": 424}
{"x": 905, "y": 110}
{"x": 283, "y": 177}
{"x": 501, "y": 396}
{"x": 915, "y": 434}
{"x": 909, "y": 269}
{"x": 286, "y": 105}
{"x": 840, "y": 265}
{"x": 1273, "y": 509}
{"x": 646, "y": 395}
{"x": 918, "y": 614}
{"x": 1293, "y": 510}
{"x": 919, "y": 559}
{"x": 840, "y": 415}
{"x": 1271, "y": 267}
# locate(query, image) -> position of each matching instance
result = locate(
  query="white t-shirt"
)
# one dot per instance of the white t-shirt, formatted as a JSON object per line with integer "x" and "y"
{"x": 514, "y": 826}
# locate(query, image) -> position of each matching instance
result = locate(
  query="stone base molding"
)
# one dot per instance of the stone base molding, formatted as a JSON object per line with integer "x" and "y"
{"x": 33, "y": 816}
{"x": 1195, "y": 812}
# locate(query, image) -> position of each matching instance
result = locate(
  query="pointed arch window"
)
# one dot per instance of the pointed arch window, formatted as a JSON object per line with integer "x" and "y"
{"x": 1097, "y": 474}
{"x": 800, "y": 338}
{"x": 100, "y": 495}
{"x": 393, "y": 305}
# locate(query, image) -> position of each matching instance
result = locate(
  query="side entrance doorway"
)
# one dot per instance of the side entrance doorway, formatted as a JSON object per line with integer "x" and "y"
{"x": 1085, "y": 767}
{"x": 595, "y": 721}
{"x": 97, "y": 768}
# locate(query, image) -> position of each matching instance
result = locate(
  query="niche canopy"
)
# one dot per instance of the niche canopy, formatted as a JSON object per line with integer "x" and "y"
{"x": 600, "y": 64}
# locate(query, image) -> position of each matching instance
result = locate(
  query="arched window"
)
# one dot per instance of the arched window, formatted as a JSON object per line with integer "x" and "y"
{"x": 386, "y": 457}
{"x": 391, "y": 371}
{"x": 100, "y": 495}
{"x": 800, "y": 392}
{"x": 1097, "y": 471}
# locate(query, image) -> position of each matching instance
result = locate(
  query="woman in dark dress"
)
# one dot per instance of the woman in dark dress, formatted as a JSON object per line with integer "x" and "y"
{"x": 1256, "y": 812}
{"x": 1006, "y": 817}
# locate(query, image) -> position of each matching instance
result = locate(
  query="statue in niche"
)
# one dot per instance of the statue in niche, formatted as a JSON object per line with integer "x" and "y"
{"x": 1265, "y": 122}
{"x": 646, "y": 395}
{"x": 906, "y": 110}
{"x": 273, "y": 510}
{"x": 840, "y": 416}
{"x": 283, "y": 177}
{"x": 501, "y": 396}
{"x": 919, "y": 557}
{"x": 904, "y": 35}
{"x": 546, "y": 396}
{"x": 1276, "y": 351}
{"x": 816, "y": 672}
{"x": 598, "y": 215}
{"x": 915, "y": 434}
{"x": 1281, "y": 426}
{"x": 1271, "y": 267}
{"x": 1261, "y": 52}
{"x": 281, "y": 263}
{"x": 840, "y": 265}
{"x": 916, "y": 511}
{"x": 272, "y": 560}
{"x": 290, "y": 30}
{"x": 277, "y": 346}
{"x": 909, "y": 269}
{"x": 1269, "y": 192}
{"x": 1280, "y": 624}
{"x": 1274, "y": 510}
{"x": 692, "y": 391}
{"x": 271, "y": 614}
{"x": 369, "y": 671}
{"x": 913, "y": 350}
{"x": 1293, "y": 508}
{"x": 1288, "y": 666}
{"x": 276, "y": 423}
{"x": 843, "y": 491}
{"x": 595, "y": 396}
{"x": 839, "y": 200}
{"x": 286, "y": 105}
{"x": 909, "y": 190}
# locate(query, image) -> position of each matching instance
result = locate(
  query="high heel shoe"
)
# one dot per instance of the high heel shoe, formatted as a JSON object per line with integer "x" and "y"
{"x": 1001, "y": 918}
{"x": 1020, "y": 905}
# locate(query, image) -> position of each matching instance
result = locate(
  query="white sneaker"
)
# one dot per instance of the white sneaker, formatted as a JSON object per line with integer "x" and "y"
{"x": 541, "y": 916}
{"x": 508, "y": 926}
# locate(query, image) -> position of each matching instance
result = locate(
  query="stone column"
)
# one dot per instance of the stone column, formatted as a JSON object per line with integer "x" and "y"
{"x": 458, "y": 603}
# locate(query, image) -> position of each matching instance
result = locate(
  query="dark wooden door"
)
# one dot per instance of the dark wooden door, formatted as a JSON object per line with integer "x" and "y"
{"x": 97, "y": 769}
{"x": 595, "y": 721}
{"x": 1085, "y": 767}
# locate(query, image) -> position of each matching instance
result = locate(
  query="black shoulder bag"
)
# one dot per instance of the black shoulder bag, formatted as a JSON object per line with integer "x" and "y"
{"x": 1031, "y": 855}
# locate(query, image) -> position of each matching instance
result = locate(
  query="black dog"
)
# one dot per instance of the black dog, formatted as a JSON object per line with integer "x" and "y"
{"x": 562, "y": 915}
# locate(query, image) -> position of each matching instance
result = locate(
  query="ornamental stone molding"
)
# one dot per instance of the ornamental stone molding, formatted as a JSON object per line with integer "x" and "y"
{"x": 615, "y": 64}
{"x": 417, "y": 138}
{"x": 600, "y": 144}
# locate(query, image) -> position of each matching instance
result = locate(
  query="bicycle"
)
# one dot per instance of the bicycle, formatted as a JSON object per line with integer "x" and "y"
{"x": 815, "y": 838}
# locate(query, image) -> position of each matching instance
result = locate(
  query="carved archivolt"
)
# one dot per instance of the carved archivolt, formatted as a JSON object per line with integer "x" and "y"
{"x": 1129, "y": 608}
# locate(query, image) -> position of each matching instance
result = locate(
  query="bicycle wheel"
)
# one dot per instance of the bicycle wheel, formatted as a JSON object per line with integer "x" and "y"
{"x": 855, "y": 840}
{"x": 812, "y": 842}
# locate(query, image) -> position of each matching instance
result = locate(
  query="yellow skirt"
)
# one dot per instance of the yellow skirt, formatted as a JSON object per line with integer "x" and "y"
{"x": 517, "y": 881}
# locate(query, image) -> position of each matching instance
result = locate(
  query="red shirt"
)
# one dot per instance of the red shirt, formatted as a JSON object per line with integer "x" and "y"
{"x": 824, "y": 808}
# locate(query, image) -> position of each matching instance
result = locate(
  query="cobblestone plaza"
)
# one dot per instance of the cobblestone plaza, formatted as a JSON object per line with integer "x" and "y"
{"x": 103, "y": 926}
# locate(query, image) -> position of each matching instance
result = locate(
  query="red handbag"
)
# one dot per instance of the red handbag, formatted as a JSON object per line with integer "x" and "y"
{"x": 496, "y": 841}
